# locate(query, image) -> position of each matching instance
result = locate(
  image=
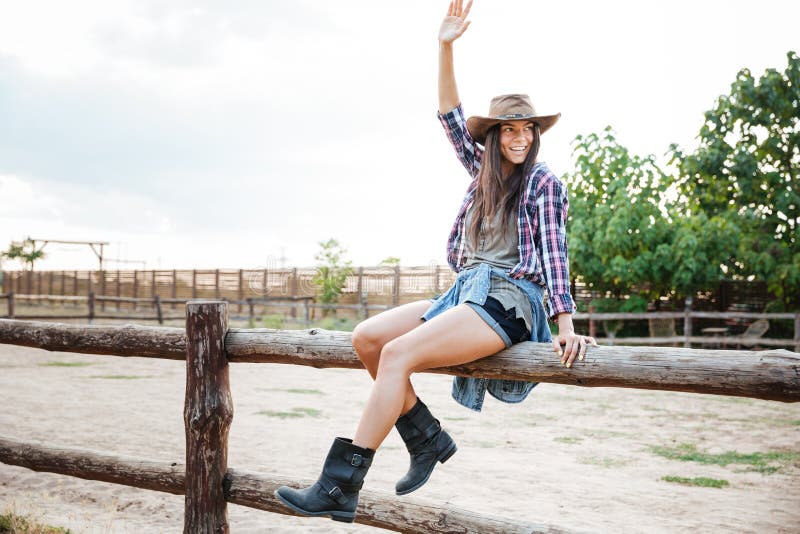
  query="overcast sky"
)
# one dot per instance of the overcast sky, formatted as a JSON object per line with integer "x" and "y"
{"x": 240, "y": 134}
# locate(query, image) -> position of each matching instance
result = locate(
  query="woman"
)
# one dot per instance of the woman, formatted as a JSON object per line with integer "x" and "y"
{"x": 508, "y": 242}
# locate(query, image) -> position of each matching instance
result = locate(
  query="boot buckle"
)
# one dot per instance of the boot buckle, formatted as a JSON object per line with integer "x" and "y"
{"x": 337, "y": 495}
{"x": 357, "y": 460}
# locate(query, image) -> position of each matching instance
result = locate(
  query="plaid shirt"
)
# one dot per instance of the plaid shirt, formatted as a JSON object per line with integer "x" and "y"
{"x": 541, "y": 224}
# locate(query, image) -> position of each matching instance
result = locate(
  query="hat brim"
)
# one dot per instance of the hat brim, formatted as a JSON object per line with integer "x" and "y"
{"x": 478, "y": 126}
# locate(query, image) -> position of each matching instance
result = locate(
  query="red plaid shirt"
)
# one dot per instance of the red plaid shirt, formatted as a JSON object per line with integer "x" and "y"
{"x": 542, "y": 218}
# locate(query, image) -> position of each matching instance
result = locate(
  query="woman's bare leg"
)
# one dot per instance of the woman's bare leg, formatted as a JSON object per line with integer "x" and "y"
{"x": 459, "y": 335}
{"x": 370, "y": 336}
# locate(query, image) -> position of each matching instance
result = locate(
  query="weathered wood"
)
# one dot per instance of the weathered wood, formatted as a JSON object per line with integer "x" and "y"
{"x": 11, "y": 304}
{"x": 159, "y": 313}
{"x": 770, "y": 375}
{"x": 92, "y": 300}
{"x": 687, "y": 322}
{"x": 255, "y": 490}
{"x": 125, "y": 340}
{"x": 207, "y": 416}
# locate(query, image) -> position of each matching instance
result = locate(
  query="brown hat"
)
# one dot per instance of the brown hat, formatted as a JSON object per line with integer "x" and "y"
{"x": 508, "y": 108}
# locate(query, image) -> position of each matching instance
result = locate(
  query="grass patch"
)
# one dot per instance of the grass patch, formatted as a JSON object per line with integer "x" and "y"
{"x": 567, "y": 439}
{"x": 604, "y": 462}
{"x": 11, "y": 523}
{"x": 121, "y": 377}
{"x": 65, "y": 364}
{"x": 702, "y": 482}
{"x": 295, "y": 413}
{"x": 758, "y": 461}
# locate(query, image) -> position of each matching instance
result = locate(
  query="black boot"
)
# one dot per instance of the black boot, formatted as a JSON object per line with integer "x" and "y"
{"x": 335, "y": 493}
{"x": 426, "y": 442}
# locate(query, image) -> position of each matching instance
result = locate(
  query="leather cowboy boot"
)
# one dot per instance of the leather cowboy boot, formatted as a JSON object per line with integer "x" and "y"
{"x": 335, "y": 493}
{"x": 426, "y": 442}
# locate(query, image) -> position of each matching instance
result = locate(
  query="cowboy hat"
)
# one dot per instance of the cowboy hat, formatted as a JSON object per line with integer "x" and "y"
{"x": 508, "y": 108}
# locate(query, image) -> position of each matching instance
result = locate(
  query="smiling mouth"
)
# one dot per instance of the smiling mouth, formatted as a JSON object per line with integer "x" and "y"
{"x": 519, "y": 149}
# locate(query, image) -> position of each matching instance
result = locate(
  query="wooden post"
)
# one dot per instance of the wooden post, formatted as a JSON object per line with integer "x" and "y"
{"x": 307, "y": 304}
{"x": 216, "y": 284}
{"x": 10, "y": 304}
{"x": 91, "y": 307}
{"x": 89, "y": 283}
{"x": 264, "y": 290}
{"x": 75, "y": 283}
{"x": 174, "y": 286}
{"x": 153, "y": 283}
{"x": 364, "y": 306}
{"x": 592, "y": 323}
{"x": 293, "y": 289}
{"x": 157, "y": 304}
{"x": 360, "y": 292}
{"x": 102, "y": 289}
{"x": 39, "y": 283}
{"x": 687, "y": 322}
{"x": 797, "y": 332}
{"x": 207, "y": 416}
{"x": 50, "y": 284}
{"x": 396, "y": 286}
{"x": 135, "y": 288}
{"x": 250, "y": 309}
{"x": 119, "y": 287}
{"x": 194, "y": 283}
{"x": 64, "y": 283}
{"x": 240, "y": 294}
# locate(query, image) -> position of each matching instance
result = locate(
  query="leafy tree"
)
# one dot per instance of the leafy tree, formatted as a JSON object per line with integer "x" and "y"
{"x": 391, "y": 261}
{"x": 744, "y": 174}
{"x": 26, "y": 252}
{"x": 332, "y": 272}
{"x": 618, "y": 235}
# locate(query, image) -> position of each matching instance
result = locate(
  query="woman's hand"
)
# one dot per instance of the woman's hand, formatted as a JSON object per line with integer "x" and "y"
{"x": 574, "y": 344}
{"x": 455, "y": 23}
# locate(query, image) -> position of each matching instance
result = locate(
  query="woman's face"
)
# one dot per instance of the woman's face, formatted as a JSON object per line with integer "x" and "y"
{"x": 516, "y": 138}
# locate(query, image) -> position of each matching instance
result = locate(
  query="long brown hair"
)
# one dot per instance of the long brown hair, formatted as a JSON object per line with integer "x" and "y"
{"x": 494, "y": 192}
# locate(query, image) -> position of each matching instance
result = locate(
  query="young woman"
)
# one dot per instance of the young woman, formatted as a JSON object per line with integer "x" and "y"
{"x": 507, "y": 244}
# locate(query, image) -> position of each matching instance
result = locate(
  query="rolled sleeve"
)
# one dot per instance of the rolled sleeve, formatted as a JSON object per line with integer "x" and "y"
{"x": 467, "y": 150}
{"x": 552, "y": 207}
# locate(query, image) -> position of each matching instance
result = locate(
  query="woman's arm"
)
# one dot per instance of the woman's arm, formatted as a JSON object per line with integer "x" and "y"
{"x": 453, "y": 26}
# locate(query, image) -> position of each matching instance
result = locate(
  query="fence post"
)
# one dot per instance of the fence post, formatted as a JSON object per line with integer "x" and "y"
{"x": 91, "y": 307}
{"x": 119, "y": 287}
{"x": 396, "y": 286}
{"x": 135, "y": 288}
{"x": 797, "y": 332}
{"x": 11, "y": 304}
{"x": 687, "y": 322}
{"x": 360, "y": 290}
{"x": 592, "y": 323}
{"x": 157, "y": 304}
{"x": 207, "y": 417}
{"x": 174, "y": 286}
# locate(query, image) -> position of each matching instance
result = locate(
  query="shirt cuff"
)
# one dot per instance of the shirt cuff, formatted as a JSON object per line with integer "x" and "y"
{"x": 455, "y": 115}
{"x": 562, "y": 303}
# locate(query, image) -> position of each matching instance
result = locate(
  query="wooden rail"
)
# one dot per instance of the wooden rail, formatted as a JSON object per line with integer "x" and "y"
{"x": 769, "y": 375}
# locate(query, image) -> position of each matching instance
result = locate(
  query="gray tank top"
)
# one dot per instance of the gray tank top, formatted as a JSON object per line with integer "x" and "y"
{"x": 498, "y": 250}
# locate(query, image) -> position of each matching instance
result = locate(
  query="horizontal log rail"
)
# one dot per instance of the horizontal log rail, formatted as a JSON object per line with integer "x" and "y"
{"x": 770, "y": 375}
{"x": 255, "y": 490}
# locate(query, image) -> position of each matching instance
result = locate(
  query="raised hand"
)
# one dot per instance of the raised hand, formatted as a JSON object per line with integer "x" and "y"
{"x": 455, "y": 23}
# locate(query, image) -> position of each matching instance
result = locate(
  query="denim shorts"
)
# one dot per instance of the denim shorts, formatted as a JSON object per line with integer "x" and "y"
{"x": 508, "y": 326}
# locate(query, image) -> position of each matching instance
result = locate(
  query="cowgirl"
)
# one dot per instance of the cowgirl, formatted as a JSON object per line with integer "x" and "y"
{"x": 507, "y": 243}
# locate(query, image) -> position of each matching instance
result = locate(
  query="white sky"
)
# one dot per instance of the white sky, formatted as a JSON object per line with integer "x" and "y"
{"x": 240, "y": 134}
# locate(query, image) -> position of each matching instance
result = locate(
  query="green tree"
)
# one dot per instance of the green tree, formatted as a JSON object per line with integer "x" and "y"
{"x": 744, "y": 174}
{"x": 618, "y": 235}
{"x": 25, "y": 251}
{"x": 332, "y": 272}
{"x": 390, "y": 261}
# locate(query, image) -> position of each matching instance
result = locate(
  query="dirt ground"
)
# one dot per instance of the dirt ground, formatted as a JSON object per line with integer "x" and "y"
{"x": 592, "y": 460}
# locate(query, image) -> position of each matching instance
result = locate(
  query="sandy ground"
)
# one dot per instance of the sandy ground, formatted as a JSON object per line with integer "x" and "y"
{"x": 576, "y": 458}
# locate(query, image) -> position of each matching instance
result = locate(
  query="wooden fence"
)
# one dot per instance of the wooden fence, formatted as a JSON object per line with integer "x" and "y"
{"x": 208, "y": 345}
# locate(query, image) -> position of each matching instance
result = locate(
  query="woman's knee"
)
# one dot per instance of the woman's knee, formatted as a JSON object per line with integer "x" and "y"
{"x": 366, "y": 341}
{"x": 395, "y": 359}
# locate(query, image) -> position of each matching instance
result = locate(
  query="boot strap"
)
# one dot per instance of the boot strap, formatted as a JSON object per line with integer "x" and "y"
{"x": 357, "y": 460}
{"x": 336, "y": 490}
